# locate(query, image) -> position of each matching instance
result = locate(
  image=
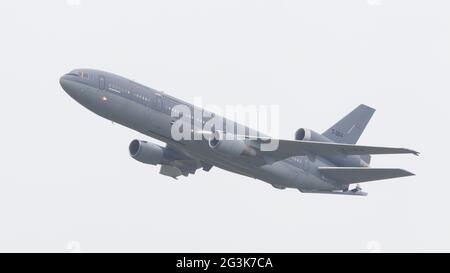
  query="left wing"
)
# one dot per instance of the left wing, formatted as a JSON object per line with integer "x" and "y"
{"x": 279, "y": 149}
{"x": 289, "y": 148}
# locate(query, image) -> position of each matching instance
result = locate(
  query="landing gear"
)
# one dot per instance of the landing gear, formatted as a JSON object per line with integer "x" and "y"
{"x": 357, "y": 189}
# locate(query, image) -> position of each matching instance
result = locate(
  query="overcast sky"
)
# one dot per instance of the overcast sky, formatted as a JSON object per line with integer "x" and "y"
{"x": 67, "y": 181}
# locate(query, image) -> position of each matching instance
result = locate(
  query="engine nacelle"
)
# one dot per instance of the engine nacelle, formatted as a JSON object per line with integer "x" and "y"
{"x": 146, "y": 152}
{"x": 230, "y": 146}
{"x": 310, "y": 135}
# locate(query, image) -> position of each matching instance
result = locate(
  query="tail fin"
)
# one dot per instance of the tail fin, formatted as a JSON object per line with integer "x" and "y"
{"x": 349, "y": 129}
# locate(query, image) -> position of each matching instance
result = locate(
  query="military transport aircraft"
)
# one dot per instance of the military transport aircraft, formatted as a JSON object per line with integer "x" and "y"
{"x": 312, "y": 163}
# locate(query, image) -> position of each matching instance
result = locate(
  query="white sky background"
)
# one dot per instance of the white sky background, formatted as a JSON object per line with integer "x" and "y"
{"x": 66, "y": 175}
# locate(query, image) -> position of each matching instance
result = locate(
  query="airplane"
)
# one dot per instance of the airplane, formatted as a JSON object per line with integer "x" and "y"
{"x": 326, "y": 163}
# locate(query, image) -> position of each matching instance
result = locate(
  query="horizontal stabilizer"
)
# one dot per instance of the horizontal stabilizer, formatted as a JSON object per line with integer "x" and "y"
{"x": 350, "y": 175}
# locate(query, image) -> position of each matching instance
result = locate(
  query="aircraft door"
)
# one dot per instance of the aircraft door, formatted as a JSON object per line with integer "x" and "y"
{"x": 158, "y": 102}
{"x": 160, "y": 121}
{"x": 101, "y": 83}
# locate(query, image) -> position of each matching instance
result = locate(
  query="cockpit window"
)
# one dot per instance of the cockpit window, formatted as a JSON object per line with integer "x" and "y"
{"x": 83, "y": 75}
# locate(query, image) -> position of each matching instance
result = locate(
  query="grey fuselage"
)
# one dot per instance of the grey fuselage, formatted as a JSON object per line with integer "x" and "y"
{"x": 149, "y": 111}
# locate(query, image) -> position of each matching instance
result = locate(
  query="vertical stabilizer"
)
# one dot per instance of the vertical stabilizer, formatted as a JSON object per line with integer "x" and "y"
{"x": 349, "y": 129}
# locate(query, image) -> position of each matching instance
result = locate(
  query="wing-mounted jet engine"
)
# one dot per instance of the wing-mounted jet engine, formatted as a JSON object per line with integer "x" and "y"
{"x": 173, "y": 163}
{"x": 230, "y": 144}
{"x": 147, "y": 153}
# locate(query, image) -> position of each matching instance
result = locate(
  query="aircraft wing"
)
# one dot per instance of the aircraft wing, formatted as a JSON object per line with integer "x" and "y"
{"x": 290, "y": 148}
{"x": 278, "y": 149}
{"x": 350, "y": 175}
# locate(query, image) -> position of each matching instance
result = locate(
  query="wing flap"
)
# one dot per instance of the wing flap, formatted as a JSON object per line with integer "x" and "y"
{"x": 350, "y": 175}
{"x": 170, "y": 171}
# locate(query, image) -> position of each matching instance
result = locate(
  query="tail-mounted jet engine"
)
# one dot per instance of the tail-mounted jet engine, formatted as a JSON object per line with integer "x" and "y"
{"x": 310, "y": 135}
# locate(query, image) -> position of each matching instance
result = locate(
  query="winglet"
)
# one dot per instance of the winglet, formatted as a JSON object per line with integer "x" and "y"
{"x": 416, "y": 153}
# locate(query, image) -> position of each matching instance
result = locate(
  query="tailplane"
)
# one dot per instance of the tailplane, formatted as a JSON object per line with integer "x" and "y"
{"x": 350, "y": 175}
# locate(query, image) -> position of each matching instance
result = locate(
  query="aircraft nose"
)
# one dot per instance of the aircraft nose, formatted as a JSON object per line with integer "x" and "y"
{"x": 63, "y": 82}
{"x": 69, "y": 85}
